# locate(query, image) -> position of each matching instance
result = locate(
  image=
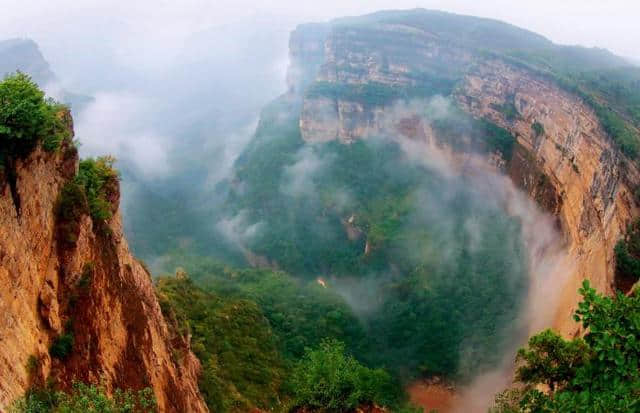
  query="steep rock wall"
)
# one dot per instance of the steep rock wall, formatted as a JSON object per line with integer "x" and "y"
{"x": 94, "y": 287}
{"x": 571, "y": 169}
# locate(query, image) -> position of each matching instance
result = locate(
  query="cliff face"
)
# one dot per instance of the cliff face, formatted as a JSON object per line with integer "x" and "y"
{"x": 92, "y": 287}
{"x": 566, "y": 162}
{"x": 588, "y": 185}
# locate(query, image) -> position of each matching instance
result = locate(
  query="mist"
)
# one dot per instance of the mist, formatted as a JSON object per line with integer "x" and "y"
{"x": 170, "y": 77}
{"x": 176, "y": 93}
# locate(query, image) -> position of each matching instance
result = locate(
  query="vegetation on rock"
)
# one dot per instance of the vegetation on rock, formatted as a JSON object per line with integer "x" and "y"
{"x": 100, "y": 182}
{"x": 62, "y": 346}
{"x": 27, "y": 118}
{"x": 85, "y": 398}
{"x": 599, "y": 372}
{"x": 627, "y": 252}
{"x": 538, "y": 129}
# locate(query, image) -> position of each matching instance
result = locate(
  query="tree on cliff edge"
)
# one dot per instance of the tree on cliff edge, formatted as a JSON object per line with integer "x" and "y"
{"x": 599, "y": 373}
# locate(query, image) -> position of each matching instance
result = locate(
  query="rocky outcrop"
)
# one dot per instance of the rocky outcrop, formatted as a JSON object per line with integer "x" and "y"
{"x": 562, "y": 156}
{"x": 89, "y": 286}
{"x": 569, "y": 165}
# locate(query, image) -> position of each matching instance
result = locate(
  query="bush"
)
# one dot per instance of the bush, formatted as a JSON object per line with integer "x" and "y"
{"x": 87, "y": 275}
{"x": 99, "y": 180}
{"x": 508, "y": 109}
{"x": 70, "y": 206}
{"x": 26, "y": 117}
{"x": 596, "y": 374}
{"x": 537, "y": 128}
{"x": 627, "y": 252}
{"x": 328, "y": 380}
{"x": 85, "y": 398}
{"x": 62, "y": 346}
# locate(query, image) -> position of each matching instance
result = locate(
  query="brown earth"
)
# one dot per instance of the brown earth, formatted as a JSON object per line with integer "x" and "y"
{"x": 432, "y": 396}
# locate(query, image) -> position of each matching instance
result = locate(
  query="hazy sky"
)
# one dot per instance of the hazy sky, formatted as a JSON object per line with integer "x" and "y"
{"x": 146, "y": 32}
{"x": 159, "y": 66}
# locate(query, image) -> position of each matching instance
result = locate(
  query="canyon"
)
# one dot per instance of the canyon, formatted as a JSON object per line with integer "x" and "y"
{"x": 523, "y": 159}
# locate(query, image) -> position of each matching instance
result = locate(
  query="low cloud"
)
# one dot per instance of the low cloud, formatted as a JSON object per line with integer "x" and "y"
{"x": 122, "y": 124}
{"x": 298, "y": 179}
{"x": 238, "y": 230}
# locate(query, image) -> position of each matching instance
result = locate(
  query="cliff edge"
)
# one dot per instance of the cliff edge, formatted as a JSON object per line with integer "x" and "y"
{"x": 80, "y": 280}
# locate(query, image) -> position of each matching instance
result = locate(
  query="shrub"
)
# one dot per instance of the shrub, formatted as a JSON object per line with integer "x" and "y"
{"x": 508, "y": 109}
{"x": 596, "y": 374}
{"x": 23, "y": 112}
{"x": 537, "y": 128}
{"x": 26, "y": 117}
{"x": 99, "y": 180}
{"x": 70, "y": 206}
{"x": 329, "y": 380}
{"x": 627, "y": 253}
{"x": 32, "y": 364}
{"x": 87, "y": 275}
{"x": 85, "y": 398}
{"x": 62, "y": 346}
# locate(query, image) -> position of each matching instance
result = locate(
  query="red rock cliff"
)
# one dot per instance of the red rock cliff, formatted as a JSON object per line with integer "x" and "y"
{"x": 93, "y": 286}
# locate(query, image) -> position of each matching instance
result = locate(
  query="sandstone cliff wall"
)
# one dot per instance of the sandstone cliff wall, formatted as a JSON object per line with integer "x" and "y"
{"x": 571, "y": 169}
{"x": 588, "y": 184}
{"x": 93, "y": 287}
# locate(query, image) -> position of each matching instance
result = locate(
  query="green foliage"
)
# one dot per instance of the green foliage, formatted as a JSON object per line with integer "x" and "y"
{"x": 22, "y": 112}
{"x": 620, "y": 87}
{"x": 100, "y": 182}
{"x": 328, "y": 380}
{"x": 85, "y": 398}
{"x": 27, "y": 118}
{"x": 612, "y": 92}
{"x": 70, "y": 206}
{"x": 87, "y": 275}
{"x": 508, "y": 109}
{"x": 62, "y": 346}
{"x": 497, "y": 138}
{"x": 32, "y": 364}
{"x": 301, "y": 314}
{"x": 622, "y": 134}
{"x": 93, "y": 191}
{"x": 465, "y": 133}
{"x": 232, "y": 339}
{"x": 538, "y": 129}
{"x": 414, "y": 322}
{"x": 380, "y": 94}
{"x": 627, "y": 252}
{"x": 551, "y": 360}
{"x": 598, "y": 373}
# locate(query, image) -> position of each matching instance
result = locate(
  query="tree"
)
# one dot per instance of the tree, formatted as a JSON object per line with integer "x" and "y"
{"x": 27, "y": 117}
{"x": 327, "y": 379}
{"x": 23, "y": 112}
{"x": 599, "y": 373}
{"x": 551, "y": 360}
